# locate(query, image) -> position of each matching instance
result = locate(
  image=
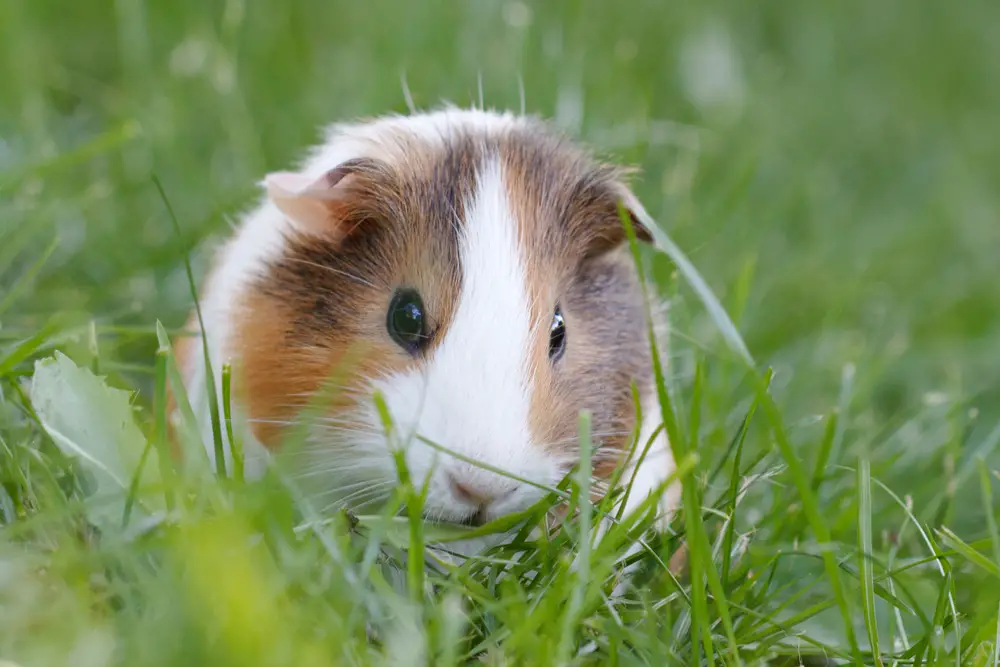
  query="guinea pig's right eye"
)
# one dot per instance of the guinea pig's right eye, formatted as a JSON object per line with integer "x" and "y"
{"x": 557, "y": 335}
{"x": 405, "y": 320}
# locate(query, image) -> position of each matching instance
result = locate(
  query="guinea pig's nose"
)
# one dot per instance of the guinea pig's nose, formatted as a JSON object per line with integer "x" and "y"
{"x": 477, "y": 494}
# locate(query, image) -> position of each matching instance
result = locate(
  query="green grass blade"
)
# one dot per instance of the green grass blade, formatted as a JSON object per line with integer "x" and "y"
{"x": 413, "y": 500}
{"x": 939, "y": 560}
{"x": 161, "y": 427}
{"x": 996, "y": 642}
{"x": 23, "y": 350}
{"x": 825, "y": 447}
{"x": 986, "y": 489}
{"x": 718, "y": 314}
{"x": 843, "y": 405}
{"x": 811, "y": 508}
{"x": 865, "y": 555}
{"x": 133, "y": 489}
{"x": 581, "y": 576}
{"x": 235, "y": 445}
{"x": 212, "y": 395}
{"x": 967, "y": 552}
{"x": 101, "y": 144}
{"x": 188, "y": 434}
{"x": 734, "y": 490}
{"x": 20, "y": 285}
{"x": 700, "y": 559}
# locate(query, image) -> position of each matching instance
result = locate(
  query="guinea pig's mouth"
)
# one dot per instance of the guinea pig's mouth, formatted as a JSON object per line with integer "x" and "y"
{"x": 475, "y": 520}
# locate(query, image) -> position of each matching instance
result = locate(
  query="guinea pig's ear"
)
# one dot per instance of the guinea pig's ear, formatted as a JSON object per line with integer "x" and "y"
{"x": 640, "y": 220}
{"x": 610, "y": 234}
{"x": 313, "y": 205}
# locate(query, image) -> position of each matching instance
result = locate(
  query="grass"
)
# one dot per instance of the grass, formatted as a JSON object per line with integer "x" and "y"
{"x": 825, "y": 173}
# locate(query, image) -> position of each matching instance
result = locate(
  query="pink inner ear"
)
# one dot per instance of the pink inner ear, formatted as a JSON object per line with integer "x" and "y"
{"x": 287, "y": 182}
{"x": 300, "y": 198}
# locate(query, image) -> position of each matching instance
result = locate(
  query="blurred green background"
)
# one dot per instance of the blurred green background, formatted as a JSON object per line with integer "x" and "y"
{"x": 831, "y": 168}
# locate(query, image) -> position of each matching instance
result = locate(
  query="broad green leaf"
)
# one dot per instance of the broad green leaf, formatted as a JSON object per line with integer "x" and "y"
{"x": 93, "y": 423}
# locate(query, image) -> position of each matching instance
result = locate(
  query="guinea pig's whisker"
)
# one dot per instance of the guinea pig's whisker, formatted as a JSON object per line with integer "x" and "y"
{"x": 600, "y": 435}
{"x": 331, "y": 422}
{"x": 331, "y": 429}
{"x": 326, "y": 389}
{"x": 569, "y": 461}
{"x": 345, "y": 421}
{"x": 353, "y": 424}
{"x": 362, "y": 497}
{"x": 363, "y": 431}
{"x": 353, "y": 488}
{"x": 334, "y": 438}
{"x": 306, "y": 398}
{"x": 338, "y": 469}
{"x": 338, "y": 441}
{"x": 329, "y": 461}
{"x": 343, "y": 488}
{"x": 334, "y": 444}
{"x": 279, "y": 422}
{"x": 366, "y": 494}
{"x": 573, "y": 440}
{"x": 332, "y": 270}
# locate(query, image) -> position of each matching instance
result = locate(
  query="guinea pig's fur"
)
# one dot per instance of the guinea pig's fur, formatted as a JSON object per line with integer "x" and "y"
{"x": 496, "y": 221}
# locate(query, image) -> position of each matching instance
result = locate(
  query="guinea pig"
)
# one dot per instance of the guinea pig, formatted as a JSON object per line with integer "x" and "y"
{"x": 473, "y": 268}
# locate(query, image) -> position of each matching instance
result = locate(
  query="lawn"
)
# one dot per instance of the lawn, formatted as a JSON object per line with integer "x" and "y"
{"x": 828, "y": 168}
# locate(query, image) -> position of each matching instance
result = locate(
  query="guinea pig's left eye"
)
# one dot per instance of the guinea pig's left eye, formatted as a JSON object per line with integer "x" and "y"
{"x": 405, "y": 320}
{"x": 557, "y": 335}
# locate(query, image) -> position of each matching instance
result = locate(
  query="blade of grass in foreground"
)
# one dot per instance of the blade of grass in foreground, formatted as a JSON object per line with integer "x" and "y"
{"x": 102, "y": 143}
{"x": 725, "y": 325}
{"x": 988, "y": 510}
{"x": 160, "y": 431}
{"x": 811, "y": 507}
{"x": 21, "y": 284}
{"x": 699, "y": 605}
{"x": 970, "y": 554}
{"x": 194, "y": 458}
{"x": 414, "y": 503}
{"x": 865, "y": 556}
{"x": 734, "y": 491}
{"x": 133, "y": 488}
{"x": 735, "y": 342}
{"x": 700, "y": 551}
{"x": 581, "y": 576}
{"x": 944, "y": 568}
{"x": 235, "y": 446}
{"x": 825, "y": 447}
{"x": 211, "y": 391}
{"x": 996, "y": 642}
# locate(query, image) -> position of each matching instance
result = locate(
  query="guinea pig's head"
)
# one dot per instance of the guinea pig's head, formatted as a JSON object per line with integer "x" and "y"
{"x": 472, "y": 268}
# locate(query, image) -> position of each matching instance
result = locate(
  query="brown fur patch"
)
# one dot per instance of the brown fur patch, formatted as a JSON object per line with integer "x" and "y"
{"x": 399, "y": 227}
